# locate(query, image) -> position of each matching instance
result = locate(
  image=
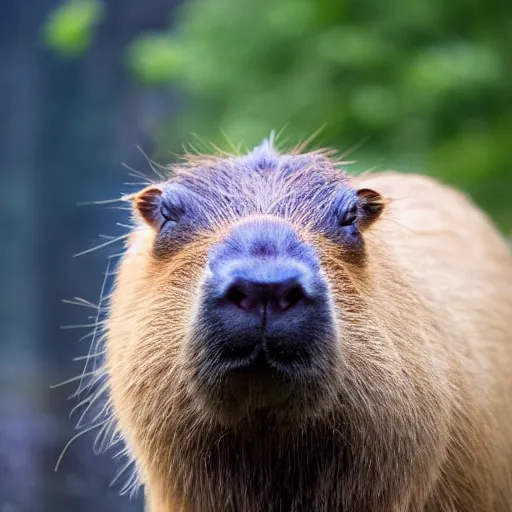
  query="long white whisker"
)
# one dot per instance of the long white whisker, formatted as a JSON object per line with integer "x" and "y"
{"x": 83, "y": 358}
{"x": 119, "y": 474}
{"x": 107, "y": 437}
{"x": 91, "y": 401}
{"x": 74, "y": 438}
{"x": 77, "y": 301}
{"x": 98, "y": 375}
{"x": 85, "y": 336}
{"x": 97, "y": 322}
{"x": 105, "y": 244}
{"x": 138, "y": 174}
{"x": 78, "y": 326}
{"x": 116, "y": 255}
{"x": 104, "y": 201}
{"x": 73, "y": 379}
{"x": 152, "y": 164}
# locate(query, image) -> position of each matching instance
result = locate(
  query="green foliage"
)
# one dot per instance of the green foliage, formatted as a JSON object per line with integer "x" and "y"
{"x": 422, "y": 86}
{"x": 68, "y": 30}
{"x": 156, "y": 58}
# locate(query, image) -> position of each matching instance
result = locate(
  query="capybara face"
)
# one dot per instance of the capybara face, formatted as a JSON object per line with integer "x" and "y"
{"x": 239, "y": 298}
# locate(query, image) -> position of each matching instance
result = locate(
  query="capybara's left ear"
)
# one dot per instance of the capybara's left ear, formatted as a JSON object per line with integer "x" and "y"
{"x": 147, "y": 203}
{"x": 371, "y": 205}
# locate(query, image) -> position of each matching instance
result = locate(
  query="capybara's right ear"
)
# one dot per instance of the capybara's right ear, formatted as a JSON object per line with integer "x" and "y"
{"x": 147, "y": 204}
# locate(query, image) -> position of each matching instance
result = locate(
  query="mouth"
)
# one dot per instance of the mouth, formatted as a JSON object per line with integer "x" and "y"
{"x": 261, "y": 373}
{"x": 244, "y": 386}
{"x": 266, "y": 356}
{"x": 242, "y": 362}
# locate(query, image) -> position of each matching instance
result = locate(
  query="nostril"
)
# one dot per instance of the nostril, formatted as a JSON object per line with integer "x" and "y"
{"x": 279, "y": 296}
{"x": 290, "y": 297}
{"x": 238, "y": 296}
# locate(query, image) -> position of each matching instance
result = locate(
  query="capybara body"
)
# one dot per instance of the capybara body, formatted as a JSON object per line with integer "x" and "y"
{"x": 284, "y": 337}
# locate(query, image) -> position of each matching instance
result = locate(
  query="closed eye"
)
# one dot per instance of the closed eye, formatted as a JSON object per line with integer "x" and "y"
{"x": 349, "y": 216}
{"x": 169, "y": 214}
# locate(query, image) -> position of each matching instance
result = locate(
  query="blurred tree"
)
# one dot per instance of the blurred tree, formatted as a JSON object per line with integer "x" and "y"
{"x": 69, "y": 27}
{"x": 426, "y": 85}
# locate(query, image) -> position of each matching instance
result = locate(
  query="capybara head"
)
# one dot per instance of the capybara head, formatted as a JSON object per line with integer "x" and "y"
{"x": 249, "y": 286}
{"x": 257, "y": 333}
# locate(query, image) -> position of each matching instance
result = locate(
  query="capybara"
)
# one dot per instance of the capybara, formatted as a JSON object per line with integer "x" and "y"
{"x": 285, "y": 337}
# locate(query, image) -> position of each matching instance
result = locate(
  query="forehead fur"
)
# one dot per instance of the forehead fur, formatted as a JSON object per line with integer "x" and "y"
{"x": 300, "y": 187}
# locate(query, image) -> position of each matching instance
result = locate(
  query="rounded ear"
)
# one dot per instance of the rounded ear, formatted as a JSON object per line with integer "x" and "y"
{"x": 147, "y": 203}
{"x": 371, "y": 205}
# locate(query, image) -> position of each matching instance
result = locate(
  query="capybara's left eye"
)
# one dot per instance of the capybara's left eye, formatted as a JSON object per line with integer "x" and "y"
{"x": 169, "y": 214}
{"x": 348, "y": 216}
{"x": 161, "y": 205}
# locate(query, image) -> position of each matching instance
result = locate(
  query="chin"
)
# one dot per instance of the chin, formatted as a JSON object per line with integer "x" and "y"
{"x": 260, "y": 386}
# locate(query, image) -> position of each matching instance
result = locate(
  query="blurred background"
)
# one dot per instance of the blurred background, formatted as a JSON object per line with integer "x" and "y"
{"x": 89, "y": 87}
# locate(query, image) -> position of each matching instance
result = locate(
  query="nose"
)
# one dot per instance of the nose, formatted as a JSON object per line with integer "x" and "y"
{"x": 279, "y": 295}
{"x": 272, "y": 305}
{"x": 264, "y": 298}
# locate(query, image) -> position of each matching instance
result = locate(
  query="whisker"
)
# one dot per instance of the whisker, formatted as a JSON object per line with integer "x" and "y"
{"x": 91, "y": 401}
{"x": 78, "y": 326}
{"x": 72, "y": 440}
{"x": 116, "y": 255}
{"x": 120, "y": 473}
{"x": 85, "y": 336}
{"x": 77, "y": 301}
{"x": 99, "y": 374}
{"x": 106, "y": 438}
{"x": 97, "y": 323}
{"x": 105, "y": 410}
{"x": 73, "y": 379}
{"x": 231, "y": 144}
{"x": 276, "y": 137}
{"x": 136, "y": 183}
{"x": 207, "y": 146}
{"x": 101, "y": 201}
{"x": 300, "y": 148}
{"x": 105, "y": 244}
{"x": 82, "y": 358}
{"x": 354, "y": 147}
{"x": 135, "y": 172}
{"x": 194, "y": 149}
{"x": 153, "y": 165}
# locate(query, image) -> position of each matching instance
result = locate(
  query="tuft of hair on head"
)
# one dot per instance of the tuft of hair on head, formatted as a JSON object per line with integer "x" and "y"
{"x": 265, "y": 154}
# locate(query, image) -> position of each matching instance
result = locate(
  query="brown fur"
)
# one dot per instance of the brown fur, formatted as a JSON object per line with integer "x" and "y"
{"x": 422, "y": 412}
